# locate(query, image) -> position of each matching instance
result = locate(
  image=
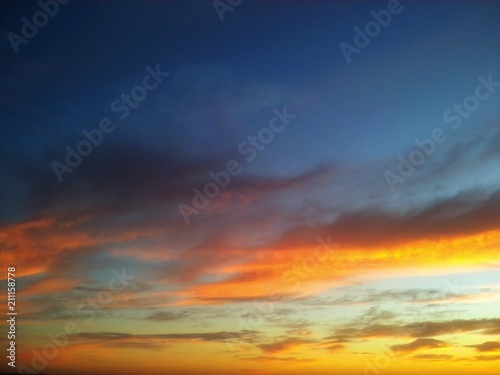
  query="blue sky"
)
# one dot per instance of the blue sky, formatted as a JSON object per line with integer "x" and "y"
{"x": 354, "y": 114}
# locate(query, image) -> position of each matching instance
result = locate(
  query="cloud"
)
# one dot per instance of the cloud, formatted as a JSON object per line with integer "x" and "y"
{"x": 489, "y": 346}
{"x": 221, "y": 336}
{"x": 335, "y": 348}
{"x": 433, "y": 357}
{"x": 373, "y": 314}
{"x": 139, "y": 224}
{"x": 487, "y": 357}
{"x": 463, "y": 214}
{"x": 280, "y": 359}
{"x": 163, "y": 316}
{"x": 368, "y": 296}
{"x": 418, "y": 344}
{"x": 419, "y": 329}
{"x": 283, "y": 345}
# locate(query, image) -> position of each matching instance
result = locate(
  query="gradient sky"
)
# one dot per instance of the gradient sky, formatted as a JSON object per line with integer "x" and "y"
{"x": 308, "y": 261}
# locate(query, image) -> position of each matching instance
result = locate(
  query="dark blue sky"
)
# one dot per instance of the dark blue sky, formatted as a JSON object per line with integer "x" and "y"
{"x": 353, "y": 120}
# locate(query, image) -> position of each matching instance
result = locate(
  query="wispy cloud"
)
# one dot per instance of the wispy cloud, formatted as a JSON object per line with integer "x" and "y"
{"x": 489, "y": 346}
{"x": 163, "y": 316}
{"x": 420, "y": 329}
{"x": 283, "y": 345}
{"x": 418, "y": 344}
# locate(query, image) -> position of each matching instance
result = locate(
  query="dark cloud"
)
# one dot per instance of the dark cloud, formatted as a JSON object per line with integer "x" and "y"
{"x": 284, "y": 311}
{"x": 421, "y": 343}
{"x": 419, "y": 329}
{"x": 163, "y": 316}
{"x": 222, "y": 336}
{"x": 489, "y": 346}
{"x": 373, "y": 314}
{"x": 283, "y": 345}
{"x": 463, "y": 214}
{"x": 368, "y": 296}
{"x": 487, "y": 357}
{"x": 335, "y": 348}
{"x": 280, "y": 359}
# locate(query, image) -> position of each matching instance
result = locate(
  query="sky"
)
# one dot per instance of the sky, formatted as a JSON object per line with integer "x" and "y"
{"x": 250, "y": 187}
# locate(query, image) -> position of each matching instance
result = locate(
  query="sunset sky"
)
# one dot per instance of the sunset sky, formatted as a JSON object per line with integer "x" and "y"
{"x": 195, "y": 188}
